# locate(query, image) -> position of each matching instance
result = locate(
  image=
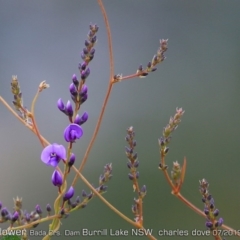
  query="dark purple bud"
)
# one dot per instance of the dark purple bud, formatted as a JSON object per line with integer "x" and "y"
{"x": 154, "y": 69}
{"x": 69, "y": 194}
{"x": 103, "y": 188}
{"x": 140, "y": 68}
{"x": 144, "y": 189}
{"x": 130, "y": 176}
{"x": 85, "y": 51}
{"x": 212, "y": 201}
{"x": 77, "y": 119}
{"x": 78, "y": 200}
{"x": 209, "y": 197}
{"x": 84, "y": 98}
{"x": 209, "y": 224}
{"x": 71, "y": 160}
{"x": 136, "y": 164}
{"x": 220, "y": 222}
{"x": 83, "y": 56}
{"x": 84, "y": 90}
{"x": 166, "y": 149}
{"x": 60, "y": 105}
{"x": 128, "y": 150}
{"x": 93, "y": 28}
{"x": 90, "y": 195}
{"x": 134, "y": 143}
{"x": 90, "y": 34}
{"x": 94, "y": 39}
{"x": 92, "y": 51}
{"x": 137, "y": 175}
{"x": 57, "y": 178}
{"x": 85, "y": 73}
{"x": 134, "y": 208}
{"x": 212, "y": 206}
{"x": 82, "y": 66}
{"x": 87, "y": 43}
{"x": 38, "y": 209}
{"x": 69, "y": 109}
{"x": 72, "y": 89}
{"x": 216, "y": 212}
{"x": 102, "y": 179}
{"x": 0, "y": 205}
{"x": 155, "y": 58}
{"x": 84, "y": 194}
{"x": 129, "y": 165}
{"x": 48, "y": 208}
{"x": 63, "y": 213}
{"x": 4, "y": 212}
{"x": 84, "y": 118}
{"x": 75, "y": 80}
{"x": 204, "y": 200}
{"x": 206, "y": 211}
{"x": 161, "y": 141}
{"x": 27, "y": 217}
{"x": 73, "y": 205}
{"x": 149, "y": 64}
{"x": 15, "y": 216}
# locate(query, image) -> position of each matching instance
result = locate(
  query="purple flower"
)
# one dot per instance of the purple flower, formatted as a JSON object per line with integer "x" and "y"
{"x": 57, "y": 178}
{"x": 52, "y": 154}
{"x": 69, "y": 194}
{"x": 72, "y": 132}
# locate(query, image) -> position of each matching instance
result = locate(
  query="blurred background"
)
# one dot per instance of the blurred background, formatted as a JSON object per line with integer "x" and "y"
{"x": 42, "y": 40}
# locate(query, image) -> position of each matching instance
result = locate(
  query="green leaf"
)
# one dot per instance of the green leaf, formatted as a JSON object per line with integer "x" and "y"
{"x": 10, "y": 237}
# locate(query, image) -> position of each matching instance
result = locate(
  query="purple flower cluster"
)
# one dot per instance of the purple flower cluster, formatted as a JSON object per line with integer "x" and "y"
{"x": 209, "y": 207}
{"x": 53, "y": 154}
{"x": 22, "y": 216}
{"x": 133, "y": 164}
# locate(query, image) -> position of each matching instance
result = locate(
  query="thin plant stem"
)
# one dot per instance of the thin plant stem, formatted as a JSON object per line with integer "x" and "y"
{"x": 109, "y": 204}
{"x": 109, "y": 89}
{"x": 188, "y": 203}
{"x": 32, "y": 116}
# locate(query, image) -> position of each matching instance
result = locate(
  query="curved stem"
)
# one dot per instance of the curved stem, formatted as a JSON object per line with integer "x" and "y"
{"x": 33, "y": 118}
{"x": 102, "y": 198}
{"x": 109, "y": 39}
{"x": 110, "y": 84}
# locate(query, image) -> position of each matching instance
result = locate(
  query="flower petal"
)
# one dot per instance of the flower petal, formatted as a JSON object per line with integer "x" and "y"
{"x": 68, "y": 135}
{"x": 45, "y": 155}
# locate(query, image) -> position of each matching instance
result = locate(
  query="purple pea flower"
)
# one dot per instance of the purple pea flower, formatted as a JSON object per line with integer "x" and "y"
{"x": 72, "y": 132}
{"x": 69, "y": 194}
{"x": 52, "y": 154}
{"x": 57, "y": 178}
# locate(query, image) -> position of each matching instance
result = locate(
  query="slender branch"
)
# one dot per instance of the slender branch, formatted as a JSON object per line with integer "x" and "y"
{"x": 107, "y": 203}
{"x": 110, "y": 84}
{"x": 109, "y": 39}
{"x": 32, "y": 116}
